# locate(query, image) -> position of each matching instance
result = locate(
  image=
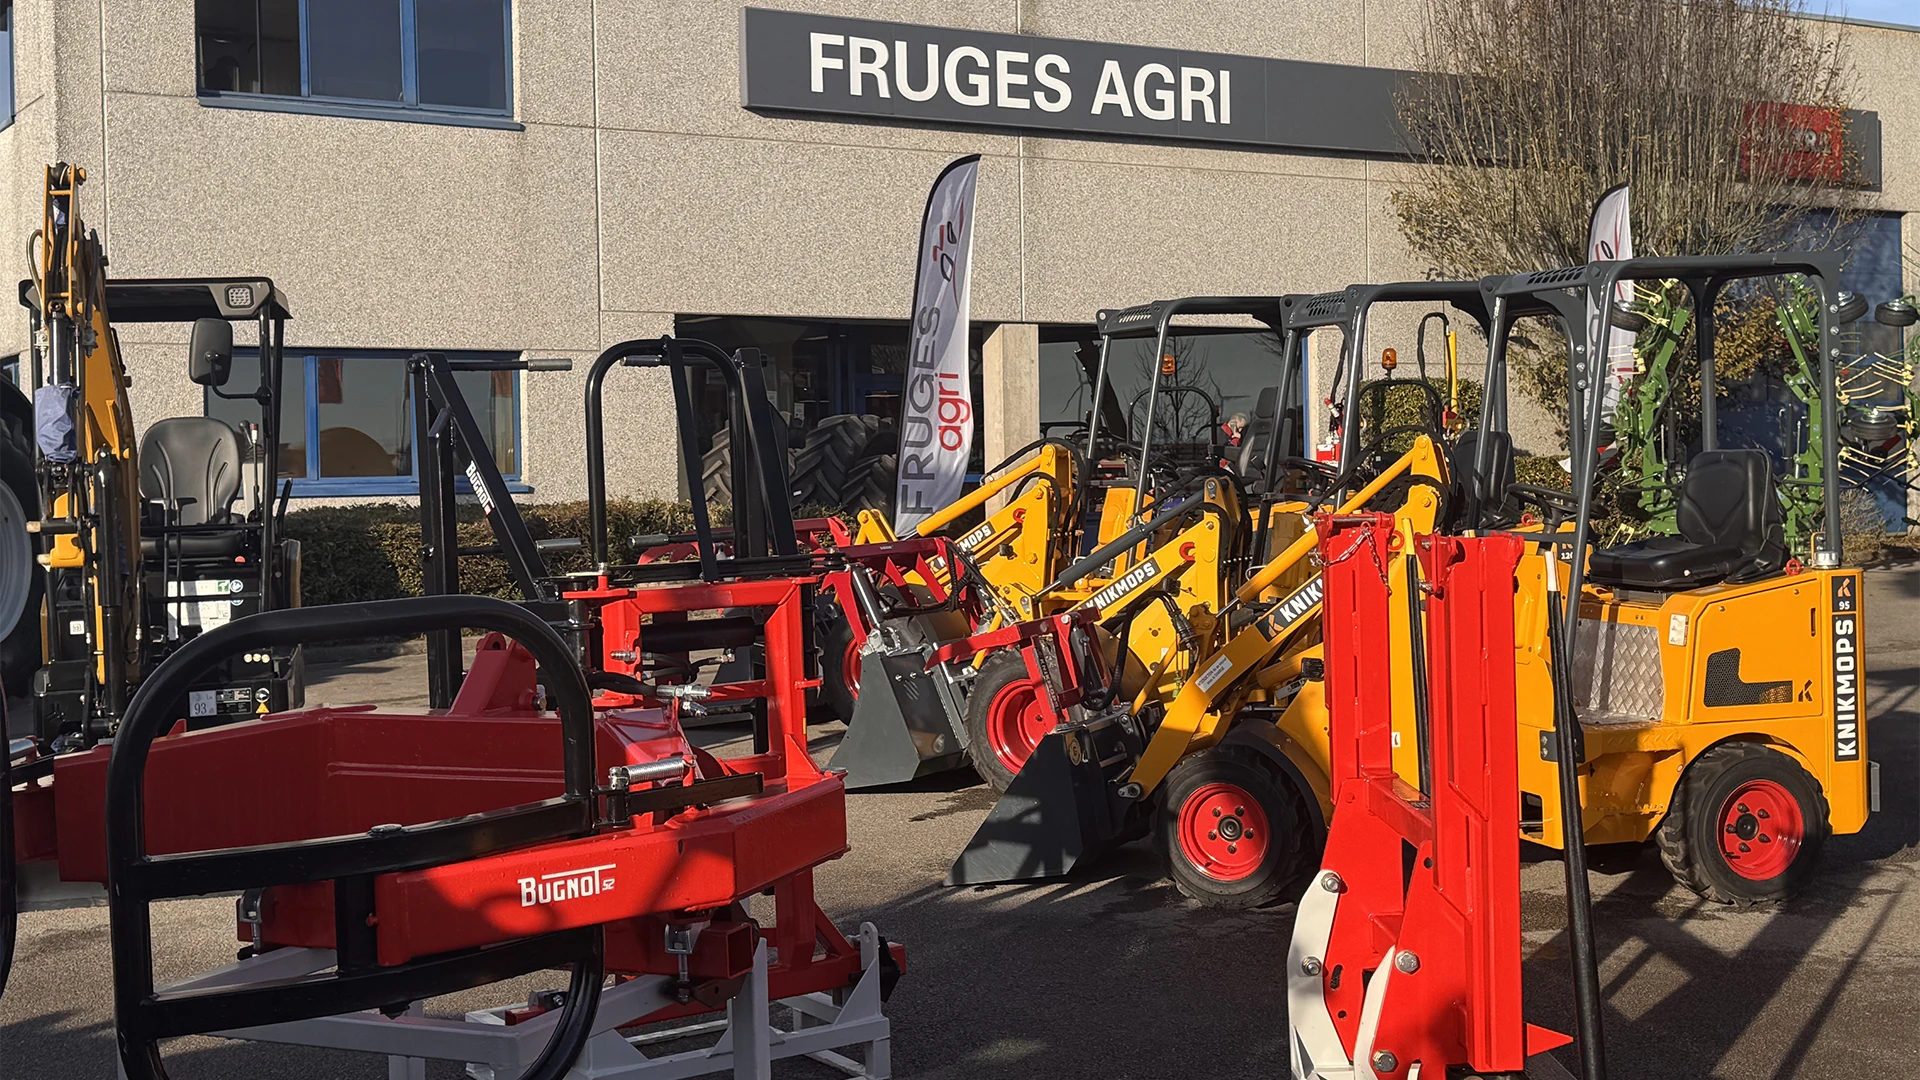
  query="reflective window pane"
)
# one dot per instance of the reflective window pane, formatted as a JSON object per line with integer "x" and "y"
{"x": 280, "y": 47}
{"x": 229, "y": 45}
{"x": 463, "y": 53}
{"x": 365, "y": 420}
{"x": 490, "y": 395}
{"x": 293, "y": 410}
{"x": 353, "y": 49}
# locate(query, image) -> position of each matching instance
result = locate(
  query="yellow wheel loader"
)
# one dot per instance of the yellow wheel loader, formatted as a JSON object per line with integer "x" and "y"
{"x": 1223, "y": 757}
{"x": 1031, "y": 557}
{"x": 1716, "y": 674}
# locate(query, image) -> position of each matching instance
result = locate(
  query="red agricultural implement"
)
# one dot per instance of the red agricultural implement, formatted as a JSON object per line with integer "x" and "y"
{"x": 549, "y": 813}
{"x": 1405, "y": 960}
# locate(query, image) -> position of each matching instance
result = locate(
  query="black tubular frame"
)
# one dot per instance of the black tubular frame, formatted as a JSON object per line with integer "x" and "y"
{"x": 1348, "y": 310}
{"x": 444, "y": 432}
{"x": 1154, "y": 320}
{"x": 763, "y": 518}
{"x": 143, "y": 1015}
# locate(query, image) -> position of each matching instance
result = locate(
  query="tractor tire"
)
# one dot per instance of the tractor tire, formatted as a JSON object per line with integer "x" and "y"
{"x": 871, "y": 484}
{"x": 716, "y": 470}
{"x": 1005, "y": 720}
{"x": 839, "y": 666}
{"x": 1746, "y": 826}
{"x": 22, "y": 584}
{"x": 835, "y": 444}
{"x": 1235, "y": 829}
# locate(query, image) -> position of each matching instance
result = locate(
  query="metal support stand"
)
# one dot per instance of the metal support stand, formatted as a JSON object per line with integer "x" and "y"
{"x": 822, "y": 1025}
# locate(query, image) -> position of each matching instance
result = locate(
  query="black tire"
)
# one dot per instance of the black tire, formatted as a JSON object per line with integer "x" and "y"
{"x": 20, "y": 654}
{"x": 1247, "y": 789}
{"x": 832, "y": 448}
{"x": 996, "y": 700}
{"x": 1727, "y": 791}
{"x": 716, "y": 470}
{"x": 835, "y": 638}
{"x": 871, "y": 484}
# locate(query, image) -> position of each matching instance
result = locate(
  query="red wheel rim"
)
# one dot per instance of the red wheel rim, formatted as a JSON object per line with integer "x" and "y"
{"x": 1761, "y": 830}
{"x": 1223, "y": 832}
{"x": 850, "y": 670}
{"x": 1016, "y": 722}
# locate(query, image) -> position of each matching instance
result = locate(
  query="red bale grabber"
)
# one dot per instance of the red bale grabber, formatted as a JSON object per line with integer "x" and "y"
{"x": 1405, "y": 960}
{"x": 551, "y": 813}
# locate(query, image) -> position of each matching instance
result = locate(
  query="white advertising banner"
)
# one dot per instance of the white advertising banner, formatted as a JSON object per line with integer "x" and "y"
{"x": 1610, "y": 237}
{"x": 936, "y": 419}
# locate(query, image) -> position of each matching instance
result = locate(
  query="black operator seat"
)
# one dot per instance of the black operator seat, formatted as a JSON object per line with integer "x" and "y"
{"x": 190, "y": 465}
{"x": 1731, "y": 529}
{"x": 1481, "y": 502}
{"x": 1256, "y": 440}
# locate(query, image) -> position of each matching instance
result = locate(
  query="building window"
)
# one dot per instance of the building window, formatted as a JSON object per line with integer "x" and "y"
{"x": 6, "y": 63}
{"x": 346, "y": 418}
{"x": 437, "y": 55}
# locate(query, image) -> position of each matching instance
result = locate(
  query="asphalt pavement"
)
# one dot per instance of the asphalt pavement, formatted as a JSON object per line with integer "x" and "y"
{"x": 1114, "y": 975}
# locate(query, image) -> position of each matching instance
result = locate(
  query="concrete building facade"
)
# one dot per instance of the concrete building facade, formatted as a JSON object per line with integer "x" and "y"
{"x": 610, "y": 184}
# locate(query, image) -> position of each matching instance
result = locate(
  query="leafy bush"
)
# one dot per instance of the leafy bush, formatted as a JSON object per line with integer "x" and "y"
{"x": 1401, "y": 403}
{"x": 1541, "y": 472}
{"x": 356, "y": 553}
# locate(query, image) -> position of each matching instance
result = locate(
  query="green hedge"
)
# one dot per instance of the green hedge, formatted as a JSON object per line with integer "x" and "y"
{"x": 372, "y": 552}
{"x": 351, "y": 553}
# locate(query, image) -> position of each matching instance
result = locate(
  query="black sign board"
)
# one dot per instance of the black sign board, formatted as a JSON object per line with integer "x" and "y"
{"x": 796, "y": 62}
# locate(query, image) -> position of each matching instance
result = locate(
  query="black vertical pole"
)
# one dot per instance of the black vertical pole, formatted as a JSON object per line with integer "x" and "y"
{"x": 1563, "y": 615}
{"x": 439, "y": 535}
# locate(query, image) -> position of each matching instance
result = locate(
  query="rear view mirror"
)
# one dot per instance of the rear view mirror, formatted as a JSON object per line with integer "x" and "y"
{"x": 210, "y": 352}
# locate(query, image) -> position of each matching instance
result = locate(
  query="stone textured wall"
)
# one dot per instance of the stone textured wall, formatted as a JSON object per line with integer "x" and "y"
{"x": 638, "y": 188}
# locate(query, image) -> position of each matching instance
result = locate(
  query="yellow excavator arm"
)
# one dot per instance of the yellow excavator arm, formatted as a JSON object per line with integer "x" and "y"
{"x": 89, "y": 469}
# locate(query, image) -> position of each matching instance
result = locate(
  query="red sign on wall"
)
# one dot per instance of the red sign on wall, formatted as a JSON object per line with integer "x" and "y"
{"x": 1799, "y": 142}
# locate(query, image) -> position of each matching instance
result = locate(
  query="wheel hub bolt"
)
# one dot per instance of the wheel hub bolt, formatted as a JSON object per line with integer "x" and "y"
{"x": 1230, "y": 829}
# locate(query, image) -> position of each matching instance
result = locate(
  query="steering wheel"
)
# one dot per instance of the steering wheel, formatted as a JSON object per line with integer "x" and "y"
{"x": 1555, "y": 504}
{"x": 1322, "y": 477}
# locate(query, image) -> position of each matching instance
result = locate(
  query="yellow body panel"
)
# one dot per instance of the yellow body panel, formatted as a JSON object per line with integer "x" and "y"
{"x": 1787, "y": 678}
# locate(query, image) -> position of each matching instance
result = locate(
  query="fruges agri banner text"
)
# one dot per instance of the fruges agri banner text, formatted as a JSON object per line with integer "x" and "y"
{"x": 936, "y": 421}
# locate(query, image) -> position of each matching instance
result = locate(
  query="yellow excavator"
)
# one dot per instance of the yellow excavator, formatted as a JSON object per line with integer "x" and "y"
{"x": 140, "y": 544}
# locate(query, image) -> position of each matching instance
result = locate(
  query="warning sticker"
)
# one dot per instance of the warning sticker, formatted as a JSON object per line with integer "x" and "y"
{"x": 1214, "y": 673}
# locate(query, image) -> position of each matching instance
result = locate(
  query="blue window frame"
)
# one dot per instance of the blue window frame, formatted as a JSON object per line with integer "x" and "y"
{"x": 346, "y": 418}
{"x": 444, "y": 61}
{"x": 6, "y": 63}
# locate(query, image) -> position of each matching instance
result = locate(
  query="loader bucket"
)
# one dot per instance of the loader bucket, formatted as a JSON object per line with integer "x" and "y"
{"x": 1062, "y": 809}
{"x": 908, "y": 723}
